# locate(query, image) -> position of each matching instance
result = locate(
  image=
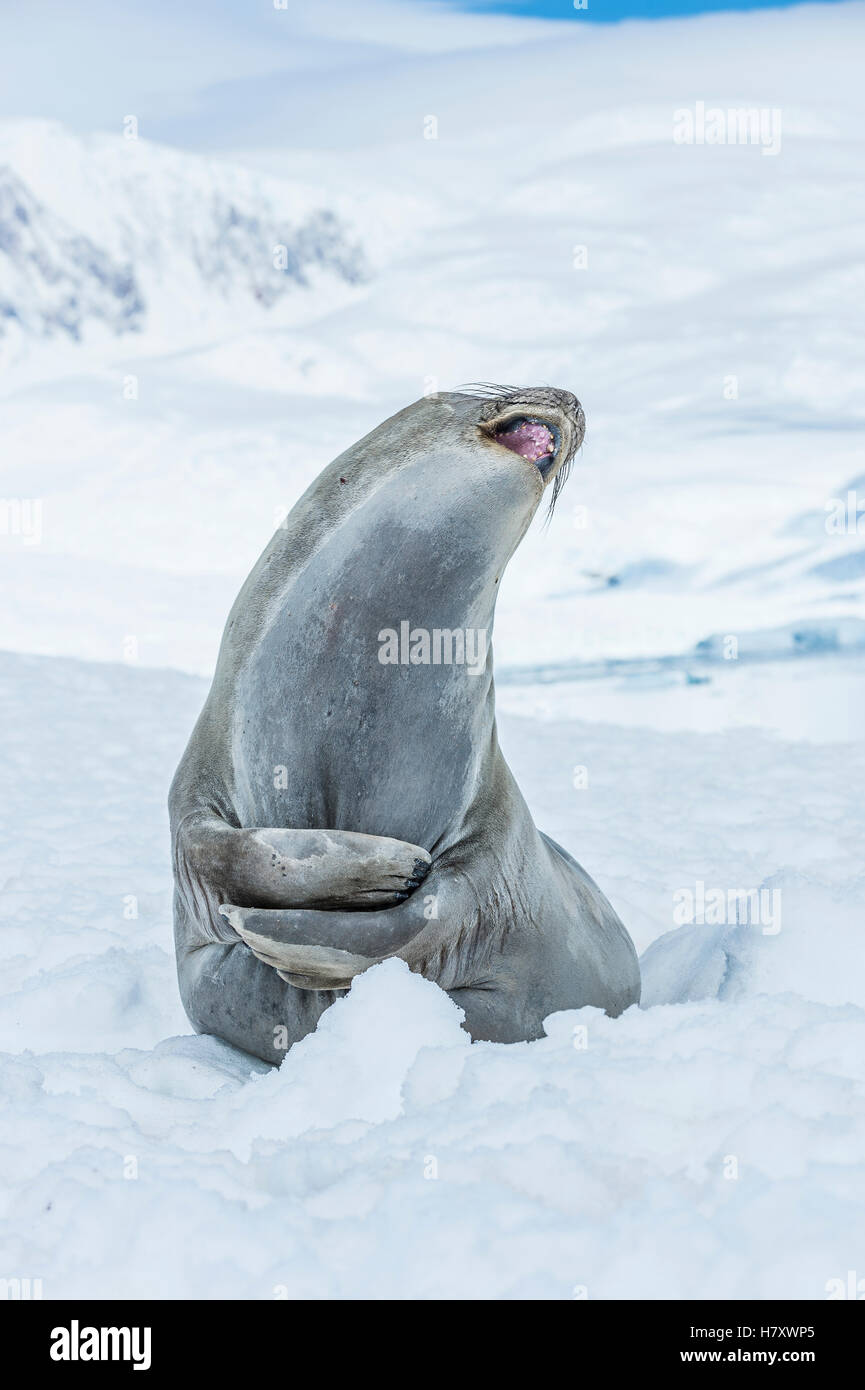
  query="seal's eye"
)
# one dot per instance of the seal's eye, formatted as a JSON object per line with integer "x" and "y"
{"x": 530, "y": 439}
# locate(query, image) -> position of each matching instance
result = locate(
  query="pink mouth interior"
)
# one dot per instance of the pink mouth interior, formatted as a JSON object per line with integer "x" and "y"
{"x": 527, "y": 438}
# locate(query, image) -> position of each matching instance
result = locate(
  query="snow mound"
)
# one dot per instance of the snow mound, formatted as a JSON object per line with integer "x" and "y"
{"x": 813, "y": 949}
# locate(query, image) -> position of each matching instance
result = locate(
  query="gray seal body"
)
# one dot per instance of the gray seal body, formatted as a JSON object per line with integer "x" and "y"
{"x": 343, "y": 797}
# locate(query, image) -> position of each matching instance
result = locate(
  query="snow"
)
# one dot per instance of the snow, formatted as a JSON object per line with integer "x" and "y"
{"x": 389, "y": 1157}
{"x": 711, "y": 1143}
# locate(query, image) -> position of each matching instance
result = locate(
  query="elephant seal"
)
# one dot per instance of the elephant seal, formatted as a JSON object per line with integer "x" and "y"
{"x": 343, "y": 797}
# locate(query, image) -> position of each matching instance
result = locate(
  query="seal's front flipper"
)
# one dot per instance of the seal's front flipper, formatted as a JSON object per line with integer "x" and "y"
{"x": 324, "y": 950}
{"x": 275, "y": 867}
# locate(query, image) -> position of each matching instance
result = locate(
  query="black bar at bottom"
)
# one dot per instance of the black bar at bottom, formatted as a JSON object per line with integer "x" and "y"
{"x": 84, "y": 1338}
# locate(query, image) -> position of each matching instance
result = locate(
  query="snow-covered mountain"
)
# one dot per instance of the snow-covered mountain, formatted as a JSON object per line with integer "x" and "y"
{"x": 130, "y": 236}
{"x": 53, "y": 279}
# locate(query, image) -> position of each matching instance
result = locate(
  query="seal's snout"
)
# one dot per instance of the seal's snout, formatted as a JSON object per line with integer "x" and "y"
{"x": 542, "y": 424}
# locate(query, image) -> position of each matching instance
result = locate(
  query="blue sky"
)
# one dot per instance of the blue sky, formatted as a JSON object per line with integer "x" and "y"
{"x": 608, "y": 11}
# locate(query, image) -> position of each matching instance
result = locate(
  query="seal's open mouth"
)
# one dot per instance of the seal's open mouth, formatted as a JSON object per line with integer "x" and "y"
{"x": 531, "y": 439}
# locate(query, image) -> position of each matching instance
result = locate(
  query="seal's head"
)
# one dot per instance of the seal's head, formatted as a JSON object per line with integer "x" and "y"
{"x": 541, "y": 424}
{"x": 450, "y": 484}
